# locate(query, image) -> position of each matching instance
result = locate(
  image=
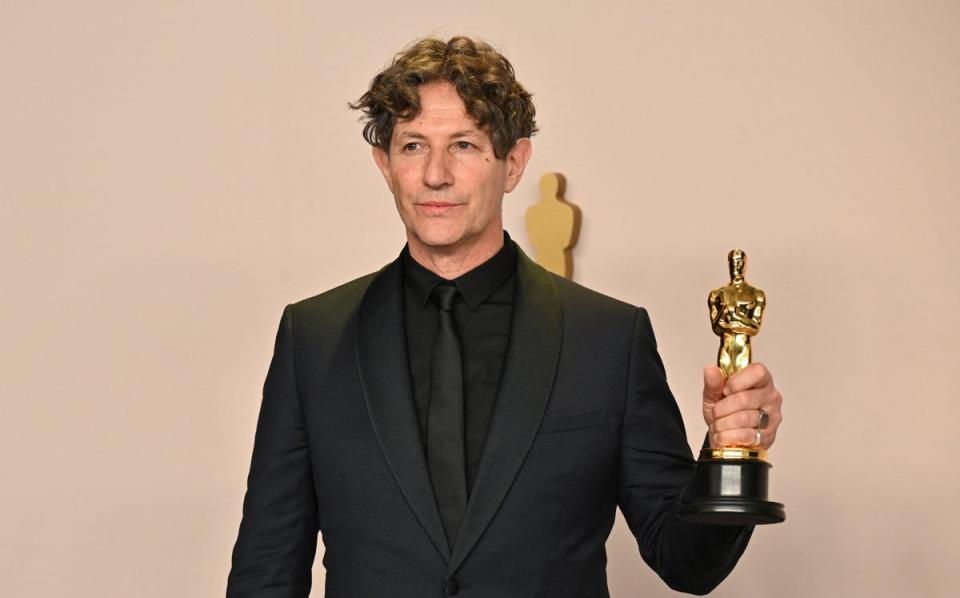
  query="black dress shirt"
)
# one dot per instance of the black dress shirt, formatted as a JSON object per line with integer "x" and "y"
{"x": 483, "y": 319}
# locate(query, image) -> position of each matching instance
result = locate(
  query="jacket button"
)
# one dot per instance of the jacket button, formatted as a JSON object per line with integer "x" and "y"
{"x": 452, "y": 587}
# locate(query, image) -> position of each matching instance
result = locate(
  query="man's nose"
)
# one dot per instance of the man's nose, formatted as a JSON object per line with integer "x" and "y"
{"x": 438, "y": 173}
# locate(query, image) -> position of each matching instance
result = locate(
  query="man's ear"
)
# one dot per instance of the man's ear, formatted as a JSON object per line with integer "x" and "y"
{"x": 517, "y": 160}
{"x": 382, "y": 159}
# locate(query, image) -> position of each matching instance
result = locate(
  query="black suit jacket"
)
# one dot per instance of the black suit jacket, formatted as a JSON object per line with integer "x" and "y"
{"x": 583, "y": 423}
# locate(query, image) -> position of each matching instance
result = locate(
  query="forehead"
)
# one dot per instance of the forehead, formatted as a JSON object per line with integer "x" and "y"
{"x": 442, "y": 111}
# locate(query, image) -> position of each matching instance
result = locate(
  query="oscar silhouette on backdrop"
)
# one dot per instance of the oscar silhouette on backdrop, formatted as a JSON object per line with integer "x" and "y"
{"x": 553, "y": 225}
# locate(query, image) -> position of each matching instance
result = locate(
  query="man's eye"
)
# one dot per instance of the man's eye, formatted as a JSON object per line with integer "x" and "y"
{"x": 464, "y": 145}
{"x": 411, "y": 147}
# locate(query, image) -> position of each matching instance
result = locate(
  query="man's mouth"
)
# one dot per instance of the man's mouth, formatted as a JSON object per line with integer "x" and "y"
{"x": 437, "y": 204}
{"x": 436, "y": 207}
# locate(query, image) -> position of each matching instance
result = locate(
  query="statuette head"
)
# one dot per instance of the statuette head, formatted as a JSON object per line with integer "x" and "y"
{"x": 738, "y": 263}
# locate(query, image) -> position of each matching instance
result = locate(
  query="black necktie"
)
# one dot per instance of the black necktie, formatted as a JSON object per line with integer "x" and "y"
{"x": 445, "y": 445}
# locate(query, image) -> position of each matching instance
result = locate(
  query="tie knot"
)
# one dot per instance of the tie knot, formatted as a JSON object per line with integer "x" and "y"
{"x": 444, "y": 295}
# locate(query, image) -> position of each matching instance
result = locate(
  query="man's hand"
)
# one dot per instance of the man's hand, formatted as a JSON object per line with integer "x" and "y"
{"x": 734, "y": 411}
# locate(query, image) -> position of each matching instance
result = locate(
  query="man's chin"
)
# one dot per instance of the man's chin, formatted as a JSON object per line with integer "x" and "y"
{"x": 439, "y": 240}
{"x": 441, "y": 243}
{"x": 455, "y": 239}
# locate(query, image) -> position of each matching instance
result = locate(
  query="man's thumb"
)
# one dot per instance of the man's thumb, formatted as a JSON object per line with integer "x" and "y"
{"x": 713, "y": 381}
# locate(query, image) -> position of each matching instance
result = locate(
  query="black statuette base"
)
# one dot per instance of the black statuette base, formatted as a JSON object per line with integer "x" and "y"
{"x": 731, "y": 492}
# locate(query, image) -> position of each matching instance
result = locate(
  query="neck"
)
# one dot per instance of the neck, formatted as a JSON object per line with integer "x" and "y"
{"x": 452, "y": 261}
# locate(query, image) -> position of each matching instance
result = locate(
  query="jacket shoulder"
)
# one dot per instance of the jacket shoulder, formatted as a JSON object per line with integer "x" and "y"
{"x": 330, "y": 309}
{"x": 578, "y": 298}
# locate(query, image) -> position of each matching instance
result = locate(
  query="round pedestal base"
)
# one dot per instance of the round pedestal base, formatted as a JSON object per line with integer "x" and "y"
{"x": 731, "y": 492}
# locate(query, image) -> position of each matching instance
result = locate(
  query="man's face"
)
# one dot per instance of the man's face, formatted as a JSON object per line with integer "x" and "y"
{"x": 445, "y": 179}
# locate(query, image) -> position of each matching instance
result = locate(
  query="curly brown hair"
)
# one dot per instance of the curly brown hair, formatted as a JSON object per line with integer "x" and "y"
{"x": 483, "y": 77}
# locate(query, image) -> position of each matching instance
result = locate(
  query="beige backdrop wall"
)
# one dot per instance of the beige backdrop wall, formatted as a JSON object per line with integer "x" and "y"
{"x": 173, "y": 173}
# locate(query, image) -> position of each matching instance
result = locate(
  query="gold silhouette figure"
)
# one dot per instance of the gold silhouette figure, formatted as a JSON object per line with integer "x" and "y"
{"x": 735, "y": 312}
{"x": 553, "y": 225}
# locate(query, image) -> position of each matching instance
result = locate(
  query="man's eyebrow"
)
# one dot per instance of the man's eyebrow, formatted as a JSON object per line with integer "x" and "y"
{"x": 415, "y": 135}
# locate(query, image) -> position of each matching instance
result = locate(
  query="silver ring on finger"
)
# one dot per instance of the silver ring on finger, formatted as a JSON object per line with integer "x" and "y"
{"x": 763, "y": 419}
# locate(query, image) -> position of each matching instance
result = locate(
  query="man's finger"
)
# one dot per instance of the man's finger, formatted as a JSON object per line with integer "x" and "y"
{"x": 756, "y": 398}
{"x": 755, "y": 375}
{"x": 749, "y": 418}
{"x": 746, "y": 437}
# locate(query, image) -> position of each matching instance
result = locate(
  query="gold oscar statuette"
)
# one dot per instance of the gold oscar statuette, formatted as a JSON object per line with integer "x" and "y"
{"x": 730, "y": 484}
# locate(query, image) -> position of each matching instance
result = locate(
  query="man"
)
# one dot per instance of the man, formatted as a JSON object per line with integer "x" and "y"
{"x": 463, "y": 422}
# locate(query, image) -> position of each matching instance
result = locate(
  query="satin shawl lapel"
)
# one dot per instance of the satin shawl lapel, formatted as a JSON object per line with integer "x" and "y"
{"x": 385, "y": 378}
{"x": 529, "y": 369}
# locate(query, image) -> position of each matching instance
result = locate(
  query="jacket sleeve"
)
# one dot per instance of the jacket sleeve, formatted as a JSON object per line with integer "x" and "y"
{"x": 656, "y": 467}
{"x": 277, "y": 541}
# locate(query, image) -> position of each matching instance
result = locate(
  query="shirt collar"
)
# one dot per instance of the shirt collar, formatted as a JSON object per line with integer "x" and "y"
{"x": 475, "y": 286}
